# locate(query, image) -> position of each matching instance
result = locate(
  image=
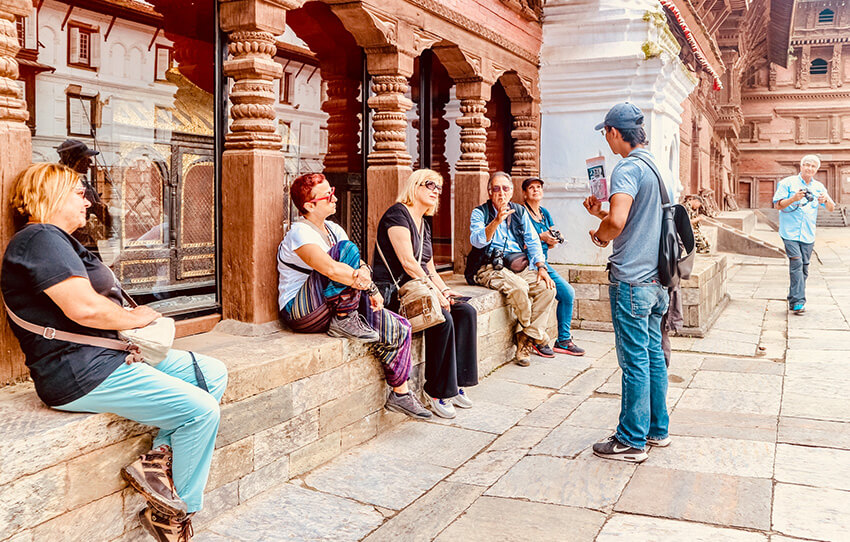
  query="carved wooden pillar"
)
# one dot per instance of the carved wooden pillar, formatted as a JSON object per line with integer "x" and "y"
{"x": 526, "y": 134}
{"x": 343, "y": 108}
{"x": 389, "y": 161}
{"x": 15, "y": 155}
{"x": 835, "y": 78}
{"x": 805, "y": 61}
{"x": 253, "y": 164}
{"x": 471, "y": 168}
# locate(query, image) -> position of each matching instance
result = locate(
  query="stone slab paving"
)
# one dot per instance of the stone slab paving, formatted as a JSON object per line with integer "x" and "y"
{"x": 760, "y": 443}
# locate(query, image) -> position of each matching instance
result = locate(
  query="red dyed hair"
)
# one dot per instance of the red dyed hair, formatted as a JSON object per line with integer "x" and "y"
{"x": 302, "y": 189}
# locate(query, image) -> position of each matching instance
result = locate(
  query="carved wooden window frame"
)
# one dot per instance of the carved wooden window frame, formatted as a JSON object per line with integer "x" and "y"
{"x": 91, "y": 101}
{"x": 826, "y": 20}
{"x": 92, "y": 39}
{"x": 286, "y": 88}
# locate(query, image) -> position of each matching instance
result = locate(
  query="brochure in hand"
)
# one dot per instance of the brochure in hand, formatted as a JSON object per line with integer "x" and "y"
{"x": 596, "y": 176}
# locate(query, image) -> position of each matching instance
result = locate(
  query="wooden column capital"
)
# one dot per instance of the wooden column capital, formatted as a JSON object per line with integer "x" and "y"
{"x": 258, "y": 15}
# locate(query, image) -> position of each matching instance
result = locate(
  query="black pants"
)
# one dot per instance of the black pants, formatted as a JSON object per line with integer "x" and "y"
{"x": 451, "y": 352}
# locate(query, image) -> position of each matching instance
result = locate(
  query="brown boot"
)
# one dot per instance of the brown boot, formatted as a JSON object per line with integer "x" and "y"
{"x": 150, "y": 475}
{"x": 164, "y": 528}
{"x": 523, "y": 350}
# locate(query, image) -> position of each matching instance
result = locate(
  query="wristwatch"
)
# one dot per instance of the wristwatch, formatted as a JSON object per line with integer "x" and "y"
{"x": 373, "y": 289}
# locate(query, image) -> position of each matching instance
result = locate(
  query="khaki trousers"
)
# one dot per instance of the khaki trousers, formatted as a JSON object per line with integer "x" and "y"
{"x": 531, "y": 301}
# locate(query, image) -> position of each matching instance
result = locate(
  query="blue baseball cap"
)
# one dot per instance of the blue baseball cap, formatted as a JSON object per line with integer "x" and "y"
{"x": 624, "y": 116}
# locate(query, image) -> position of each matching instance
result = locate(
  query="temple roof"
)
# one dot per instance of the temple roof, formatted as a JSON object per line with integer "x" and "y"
{"x": 779, "y": 31}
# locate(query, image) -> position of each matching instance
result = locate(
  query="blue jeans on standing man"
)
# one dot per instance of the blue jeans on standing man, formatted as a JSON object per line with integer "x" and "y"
{"x": 565, "y": 294}
{"x": 799, "y": 254}
{"x": 636, "y": 311}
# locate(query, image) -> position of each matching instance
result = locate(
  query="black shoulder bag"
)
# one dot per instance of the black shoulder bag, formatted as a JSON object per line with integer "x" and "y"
{"x": 677, "y": 245}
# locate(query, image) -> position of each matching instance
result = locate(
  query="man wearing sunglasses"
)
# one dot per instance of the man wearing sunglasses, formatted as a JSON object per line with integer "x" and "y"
{"x": 507, "y": 256}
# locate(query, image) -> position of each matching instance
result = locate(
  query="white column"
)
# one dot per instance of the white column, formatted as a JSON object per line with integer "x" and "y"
{"x": 597, "y": 53}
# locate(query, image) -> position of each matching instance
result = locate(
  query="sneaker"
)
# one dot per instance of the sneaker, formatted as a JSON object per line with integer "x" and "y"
{"x": 658, "y": 442}
{"x": 406, "y": 404}
{"x": 442, "y": 407}
{"x": 542, "y": 350}
{"x": 799, "y": 308}
{"x": 352, "y": 326}
{"x": 523, "y": 350}
{"x": 568, "y": 347}
{"x": 614, "y": 449}
{"x": 461, "y": 400}
{"x": 164, "y": 528}
{"x": 150, "y": 475}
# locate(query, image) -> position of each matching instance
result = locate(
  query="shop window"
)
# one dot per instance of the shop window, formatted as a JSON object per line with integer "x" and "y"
{"x": 818, "y": 67}
{"x": 826, "y": 17}
{"x": 163, "y": 62}
{"x": 83, "y": 47}
{"x": 156, "y": 167}
{"x": 80, "y": 115}
{"x": 286, "y": 89}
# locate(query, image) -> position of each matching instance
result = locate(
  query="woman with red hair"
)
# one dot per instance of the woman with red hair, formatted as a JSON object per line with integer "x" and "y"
{"x": 321, "y": 284}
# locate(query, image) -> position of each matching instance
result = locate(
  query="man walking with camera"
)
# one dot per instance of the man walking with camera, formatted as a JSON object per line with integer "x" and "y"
{"x": 798, "y": 199}
{"x": 513, "y": 264}
{"x": 532, "y": 193}
{"x": 638, "y": 300}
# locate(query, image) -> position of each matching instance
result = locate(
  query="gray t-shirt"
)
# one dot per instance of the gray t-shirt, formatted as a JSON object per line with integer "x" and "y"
{"x": 635, "y": 257}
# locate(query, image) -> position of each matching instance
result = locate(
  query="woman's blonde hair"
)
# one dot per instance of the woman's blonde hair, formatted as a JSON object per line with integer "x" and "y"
{"x": 40, "y": 189}
{"x": 417, "y": 179}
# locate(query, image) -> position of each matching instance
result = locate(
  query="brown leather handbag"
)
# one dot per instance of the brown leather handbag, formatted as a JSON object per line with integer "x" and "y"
{"x": 417, "y": 299}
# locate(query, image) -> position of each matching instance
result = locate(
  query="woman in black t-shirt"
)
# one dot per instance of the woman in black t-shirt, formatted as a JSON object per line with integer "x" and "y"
{"x": 451, "y": 348}
{"x": 50, "y": 280}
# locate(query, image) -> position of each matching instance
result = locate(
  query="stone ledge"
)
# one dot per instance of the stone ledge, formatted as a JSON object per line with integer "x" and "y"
{"x": 293, "y": 402}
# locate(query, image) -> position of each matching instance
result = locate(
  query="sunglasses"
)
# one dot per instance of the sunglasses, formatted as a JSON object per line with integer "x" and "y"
{"x": 328, "y": 197}
{"x": 433, "y": 186}
{"x": 496, "y": 189}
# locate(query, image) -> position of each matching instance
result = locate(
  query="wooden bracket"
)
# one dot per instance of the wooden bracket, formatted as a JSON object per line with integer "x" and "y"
{"x": 67, "y": 16}
{"x": 109, "y": 30}
{"x": 155, "y": 35}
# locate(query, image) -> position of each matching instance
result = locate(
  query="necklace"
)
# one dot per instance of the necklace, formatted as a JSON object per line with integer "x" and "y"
{"x": 538, "y": 217}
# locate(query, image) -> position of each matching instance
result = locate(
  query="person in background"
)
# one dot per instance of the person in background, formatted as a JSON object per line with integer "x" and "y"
{"x": 78, "y": 156}
{"x": 404, "y": 251}
{"x": 321, "y": 285}
{"x": 798, "y": 199}
{"x": 532, "y": 192}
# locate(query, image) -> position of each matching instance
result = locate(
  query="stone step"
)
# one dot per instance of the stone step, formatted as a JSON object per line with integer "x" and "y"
{"x": 293, "y": 402}
{"x": 731, "y": 239}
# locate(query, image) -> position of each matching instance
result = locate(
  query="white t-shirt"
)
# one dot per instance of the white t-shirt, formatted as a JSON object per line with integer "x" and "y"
{"x": 300, "y": 233}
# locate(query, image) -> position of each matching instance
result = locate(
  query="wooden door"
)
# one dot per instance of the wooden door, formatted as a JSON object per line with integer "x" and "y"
{"x": 765, "y": 196}
{"x": 743, "y": 196}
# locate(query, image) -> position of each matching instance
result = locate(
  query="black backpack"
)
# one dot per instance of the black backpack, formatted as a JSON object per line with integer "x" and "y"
{"x": 477, "y": 257}
{"x": 677, "y": 246}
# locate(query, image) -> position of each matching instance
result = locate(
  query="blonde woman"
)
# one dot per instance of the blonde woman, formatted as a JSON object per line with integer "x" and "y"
{"x": 50, "y": 280}
{"x": 451, "y": 348}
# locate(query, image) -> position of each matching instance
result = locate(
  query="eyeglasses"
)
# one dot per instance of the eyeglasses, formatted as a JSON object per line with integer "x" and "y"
{"x": 604, "y": 130}
{"x": 496, "y": 189}
{"x": 328, "y": 197}
{"x": 433, "y": 186}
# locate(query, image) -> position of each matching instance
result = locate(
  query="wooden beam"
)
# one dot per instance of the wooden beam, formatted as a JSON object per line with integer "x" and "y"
{"x": 155, "y": 35}
{"x": 109, "y": 30}
{"x": 67, "y": 16}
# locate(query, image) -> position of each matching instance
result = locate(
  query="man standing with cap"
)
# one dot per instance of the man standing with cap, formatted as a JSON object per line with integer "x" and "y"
{"x": 78, "y": 156}
{"x": 532, "y": 193}
{"x": 638, "y": 300}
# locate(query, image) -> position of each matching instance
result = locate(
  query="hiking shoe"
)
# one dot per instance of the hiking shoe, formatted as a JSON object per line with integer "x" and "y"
{"x": 406, "y": 404}
{"x": 799, "y": 308}
{"x": 542, "y": 350}
{"x": 352, "y": 326}
{"x": 568, "y": 347}
{"x": 441, "y": 407}
{"x": 150, "y": 475}
{"x": 164, "y": 528}
{"x": 658, "y": 442}
{"x": 523, "y": 350}
{"x": 614, "y": 449}
{"x": 461, "y": 400}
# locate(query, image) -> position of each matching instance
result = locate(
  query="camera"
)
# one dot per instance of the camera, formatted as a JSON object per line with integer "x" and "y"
{"x": 556, "y": 234}
{"x": 809, "y": 196}
{"x": 497, "y": 258}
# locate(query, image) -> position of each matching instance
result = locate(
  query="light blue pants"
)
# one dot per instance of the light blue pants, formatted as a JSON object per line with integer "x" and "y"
{"x": 167, "y": 397}
{"x": 565, "y": 294}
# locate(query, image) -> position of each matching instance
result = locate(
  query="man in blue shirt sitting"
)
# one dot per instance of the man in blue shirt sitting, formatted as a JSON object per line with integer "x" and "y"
{"x": 502, "y": 228}
{"x": 798, "y": 198}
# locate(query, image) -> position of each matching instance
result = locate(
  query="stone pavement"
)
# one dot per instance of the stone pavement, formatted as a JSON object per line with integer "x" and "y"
{"x": 761, "y": 442}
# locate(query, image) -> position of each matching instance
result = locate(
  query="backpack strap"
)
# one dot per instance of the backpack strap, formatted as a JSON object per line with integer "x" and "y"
{"x": 665, "y": 197}
{"x": 50, "y": 334}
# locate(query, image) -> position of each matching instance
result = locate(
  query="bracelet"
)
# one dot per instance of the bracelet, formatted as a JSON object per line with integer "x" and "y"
{"x": 446, "y": 289}
{"x": 373, "y": 289}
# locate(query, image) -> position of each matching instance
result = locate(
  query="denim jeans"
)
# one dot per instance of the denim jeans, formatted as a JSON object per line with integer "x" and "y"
{"x": 636, "y": 311}
{"x": 565, "y": 294}
{"x": 799, "y": 254}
